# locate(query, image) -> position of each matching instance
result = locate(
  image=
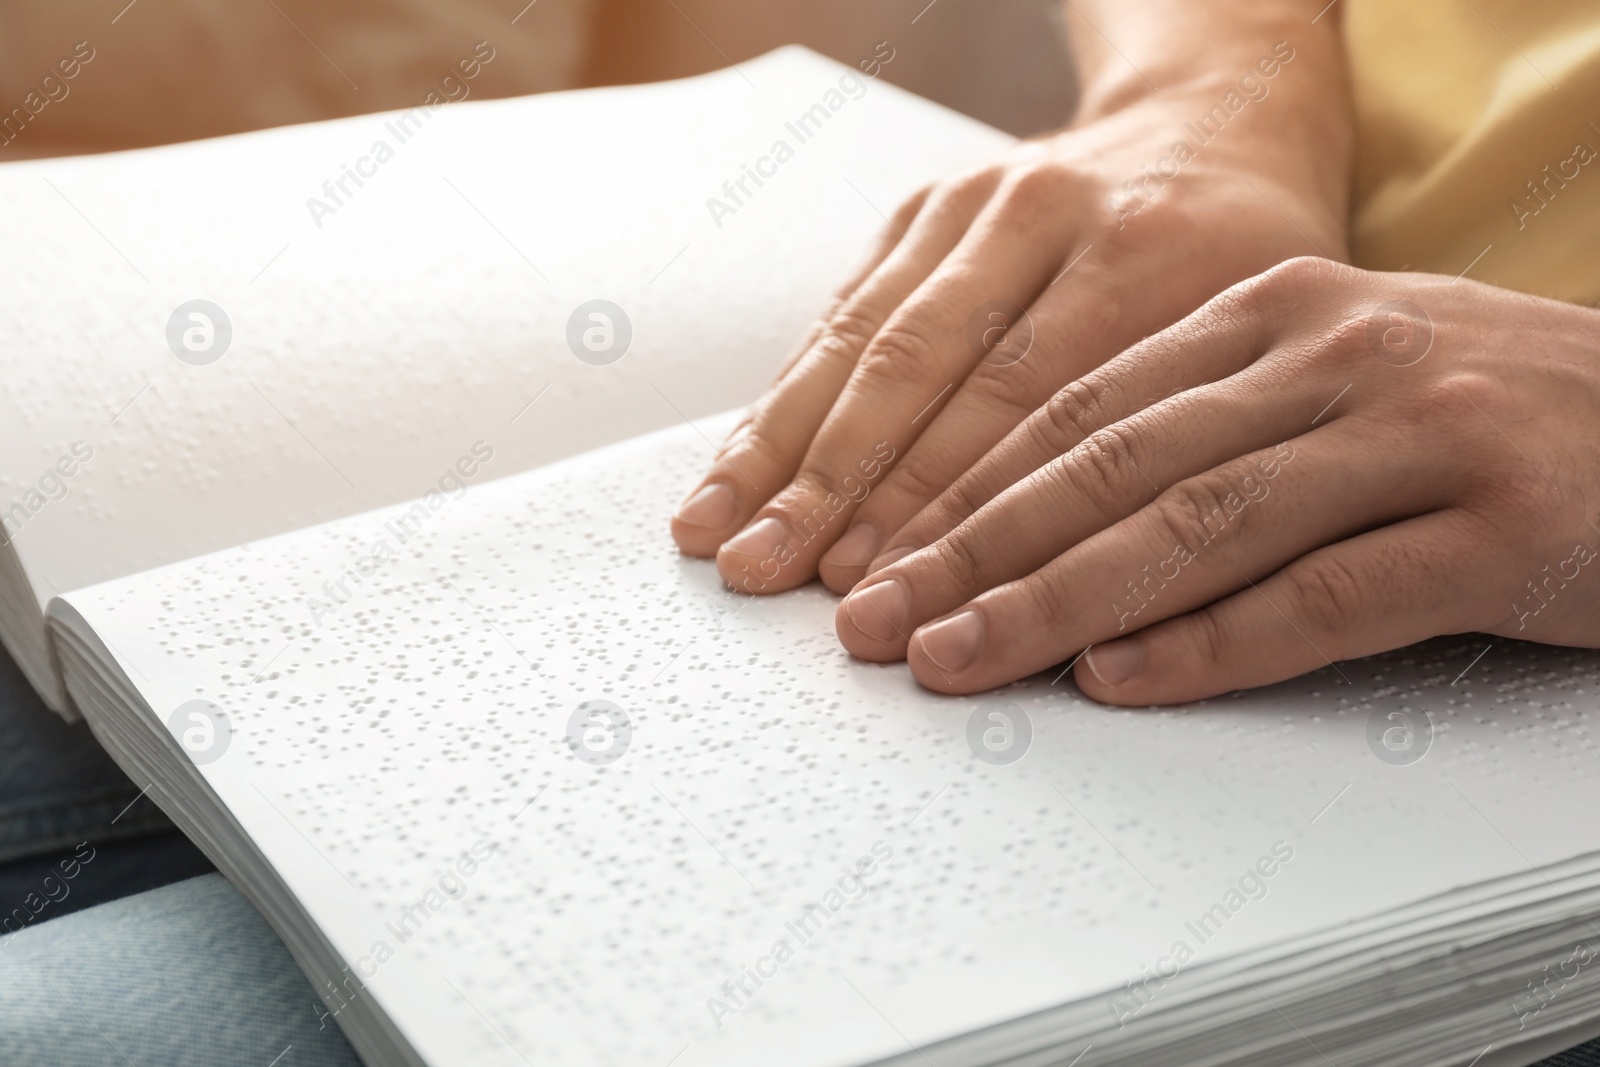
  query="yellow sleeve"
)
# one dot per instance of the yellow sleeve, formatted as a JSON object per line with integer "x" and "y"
{"x": 1478, "y": 140}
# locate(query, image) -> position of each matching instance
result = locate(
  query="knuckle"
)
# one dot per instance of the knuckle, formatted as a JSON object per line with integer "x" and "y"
{"x": 1236, "y": 311}
{"x": 960, "y": 559}
{"x": 1074, "y": 413}
{"x": 899, "y": 356}
{"x": 819, "y": 325}
{"x": 1287, "y": 282}
{"x": 813, "y": 502}
{"x": 1303, "y": 272}
{"x": 959, "y": 502}
{"x": 963, "y": 193}
{"x": 1013, "y": 388}
{"x": 1457, "y": 409}
{"x": 1101, "y": 466}
{"x": 847, "y": 331}
{"x": 1459, "y": 397}
{"x": 1519, "y": 505}
{"x": 1327, "y": 594}
{"x": 813, "y": 482}
{"x": 1044, "y": 604}
{"x": 1191, "y": 507}
{"x": 1419, "y": 410}
{"x": 1037, "y": 189}
{"x": 756, "y": 441}
{"x": 918, "y": 476}
{"x": 1345, "y": 344}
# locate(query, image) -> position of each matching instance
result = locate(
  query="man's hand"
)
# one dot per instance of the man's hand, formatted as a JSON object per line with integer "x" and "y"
{"x": 1321, "y": 463}
{"x": 1105, "y": 233}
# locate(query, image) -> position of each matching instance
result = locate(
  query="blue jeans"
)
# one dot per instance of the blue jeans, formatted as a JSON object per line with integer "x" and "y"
{"x": 116, "y": 944}
{"x": 184, "y": 975}
{"x": 97, "y": 967}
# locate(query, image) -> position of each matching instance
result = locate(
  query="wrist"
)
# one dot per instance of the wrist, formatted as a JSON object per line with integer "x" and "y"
{"x": 1282, "y": 115}
{"x": 1290, "y": 138}
{"x": 1125, "y": 53}
{"x": 1275, "y": 65}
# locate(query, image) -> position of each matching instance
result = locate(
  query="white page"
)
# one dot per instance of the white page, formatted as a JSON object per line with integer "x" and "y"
{"x": 431, "y": 711}
{"x": 427, "y": 311}
{"x": 423, "y": 322}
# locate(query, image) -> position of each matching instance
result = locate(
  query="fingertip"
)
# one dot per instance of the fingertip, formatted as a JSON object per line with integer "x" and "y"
{"x": 745, "y": 575}
{"x": 845, "y": 564}
{"x": 1146, "y": 670}
{"x": 704, "y": 520}
{"x": 758, "y": 559}
{"x": 695, "y": 541}
{"x": 947, "y": 655}
{"x": 1110, "y": 672}
{"x": 930, "y": 676}
{"x": 1116, "y": 662}
{"x": 871, "y": 622}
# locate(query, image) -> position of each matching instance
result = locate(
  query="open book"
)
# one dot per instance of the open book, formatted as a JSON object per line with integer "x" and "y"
{"x": 382, "y": 607}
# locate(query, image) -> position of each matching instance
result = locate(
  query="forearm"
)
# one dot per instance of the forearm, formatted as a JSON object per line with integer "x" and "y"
{"x": 1126, "y": 51}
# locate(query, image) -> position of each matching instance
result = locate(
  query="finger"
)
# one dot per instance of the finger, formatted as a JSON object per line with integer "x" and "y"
{"x": 1220, "y": 339}
{"x": 1381, "y": 590}
{"x": 764, "y": 452}
{"x": 1102, "y": 481}
{"x": 1016, "y": 371}
{"x": 1206, "y": 537}
{"x": 889, "y": 237}
{"x": 838, "y": 307}
{"x": 1078, "y": 323}
{"x": 903, "y": 376}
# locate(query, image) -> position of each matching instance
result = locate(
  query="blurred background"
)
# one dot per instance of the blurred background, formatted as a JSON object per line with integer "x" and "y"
{"x": 174, "y": 70}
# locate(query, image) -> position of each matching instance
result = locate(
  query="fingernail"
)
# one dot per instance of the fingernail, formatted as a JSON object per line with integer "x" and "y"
{"x": 953, "y": 643}
{"x": 891, "y": 555}
{"x": 759, "y": 540}
{"x": 879, "y": 611}
{"x": 856, "y": 548}
{"x": 711, "y": 506}
{"x": 1116, "y": 662}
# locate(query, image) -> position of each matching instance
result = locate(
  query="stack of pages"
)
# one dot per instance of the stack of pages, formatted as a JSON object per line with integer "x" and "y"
{"x": 382, "y": 606}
